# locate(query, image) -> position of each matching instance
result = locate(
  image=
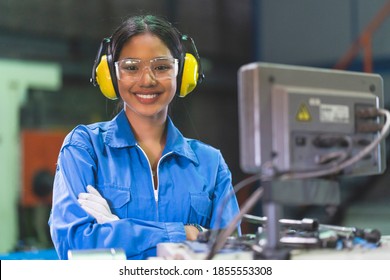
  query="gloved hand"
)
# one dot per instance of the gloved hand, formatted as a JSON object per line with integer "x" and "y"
{"x": 94, "y": 204}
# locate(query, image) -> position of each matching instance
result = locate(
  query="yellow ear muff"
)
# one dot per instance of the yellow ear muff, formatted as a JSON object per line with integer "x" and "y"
{"x": 104, "y": 80}
{"x": 189, "y": 75}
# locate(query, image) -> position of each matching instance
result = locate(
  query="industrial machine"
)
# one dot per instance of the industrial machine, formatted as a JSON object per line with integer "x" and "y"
{"x": 305, "y": 119}
{"x": 301, "y": 128}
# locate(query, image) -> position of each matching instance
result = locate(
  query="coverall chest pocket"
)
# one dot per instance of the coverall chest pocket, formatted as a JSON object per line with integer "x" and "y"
{"x": 200, "y": 210}
{"x": 117, "y": 199}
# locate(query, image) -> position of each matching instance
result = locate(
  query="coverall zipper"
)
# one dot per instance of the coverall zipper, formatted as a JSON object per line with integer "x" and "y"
{"x": 155, "y": 192}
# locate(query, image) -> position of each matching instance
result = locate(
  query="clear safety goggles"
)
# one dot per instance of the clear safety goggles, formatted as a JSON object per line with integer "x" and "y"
{"x": 160, "y": 68}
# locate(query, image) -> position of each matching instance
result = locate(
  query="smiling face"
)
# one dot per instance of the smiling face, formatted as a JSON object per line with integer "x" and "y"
{"x": 148, "y": 97}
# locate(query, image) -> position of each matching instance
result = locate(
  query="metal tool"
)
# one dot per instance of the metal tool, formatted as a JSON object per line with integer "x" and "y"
{"x": 304, "y": 224}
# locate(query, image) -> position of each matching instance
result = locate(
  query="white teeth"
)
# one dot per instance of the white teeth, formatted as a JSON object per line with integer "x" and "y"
{"x": 147, "y": 96}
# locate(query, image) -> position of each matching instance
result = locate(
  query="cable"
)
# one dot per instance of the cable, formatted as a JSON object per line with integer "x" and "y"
{"x": 337, "y": 156}
{"x": 236, "y": 188}
{"x": 258, "y": 176}
{"x": 223, "y": 236}
{"x": 266, "y": 175}
{"x": 353, "y": 160}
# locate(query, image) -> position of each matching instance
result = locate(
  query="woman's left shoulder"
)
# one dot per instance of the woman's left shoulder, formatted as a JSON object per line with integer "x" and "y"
{"x": 206, "y": 152}
{"x": 198, "y": 145}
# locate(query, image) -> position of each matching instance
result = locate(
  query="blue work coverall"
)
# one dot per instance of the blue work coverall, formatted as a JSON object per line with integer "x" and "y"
{"x": 193, "y": 180}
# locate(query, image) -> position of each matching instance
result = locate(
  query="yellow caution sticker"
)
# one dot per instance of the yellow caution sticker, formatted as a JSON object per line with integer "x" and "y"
{"x": 303, "y": 114}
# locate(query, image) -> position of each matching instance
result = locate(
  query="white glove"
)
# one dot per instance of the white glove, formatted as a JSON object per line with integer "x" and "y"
{"x": 94, "y": 204}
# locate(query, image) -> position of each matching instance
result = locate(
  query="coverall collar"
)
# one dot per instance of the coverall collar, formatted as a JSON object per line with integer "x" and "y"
{"x": 120, "y": 135}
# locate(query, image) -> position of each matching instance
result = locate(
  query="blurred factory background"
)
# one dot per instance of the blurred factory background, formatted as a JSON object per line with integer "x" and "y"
{"x": 47, "y": 49}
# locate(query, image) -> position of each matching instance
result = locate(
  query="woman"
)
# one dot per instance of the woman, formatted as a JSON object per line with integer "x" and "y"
{"x": 135, "y": 181}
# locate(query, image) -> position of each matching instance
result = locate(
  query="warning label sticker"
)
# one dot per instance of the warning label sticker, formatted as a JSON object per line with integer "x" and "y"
{"x": 303, "y": 114}
{"x": 334, "y": 113}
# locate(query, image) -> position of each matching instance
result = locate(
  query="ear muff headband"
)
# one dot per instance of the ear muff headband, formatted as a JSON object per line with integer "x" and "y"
{"x": 103, "y": 72}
